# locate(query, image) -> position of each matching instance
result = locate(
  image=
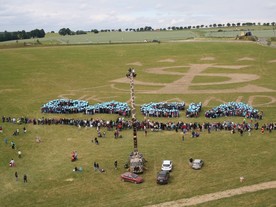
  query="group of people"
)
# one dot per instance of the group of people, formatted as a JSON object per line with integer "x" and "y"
{"x": 68, "y": 106}
{"x": 234, "y": 109}
{"x": 162, "y": 109}
{"x": 25, "y": 178}
{"x": 112, "y": 107}
{"x": 64, "y": 106}
{"x": 193, "y": 110}
{"x": 19, "y": 153}
{"x": 121, "y": 123}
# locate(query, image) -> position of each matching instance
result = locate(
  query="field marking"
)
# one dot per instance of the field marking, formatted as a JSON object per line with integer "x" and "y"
{"x": 246, "y": 58}
{"x": 217, "y": 195}
{"x": 182, "y": 85}
{"x": 166, "y": 61}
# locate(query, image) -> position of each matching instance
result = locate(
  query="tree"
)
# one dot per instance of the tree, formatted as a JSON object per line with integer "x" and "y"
{"x": 62, "y": 31}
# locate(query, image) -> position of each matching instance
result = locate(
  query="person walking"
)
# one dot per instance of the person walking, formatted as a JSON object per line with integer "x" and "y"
{"x": 16, "y": 176}
{"x": 19, "y": 154}
{"x": 25, "y": 179}
{"x": 116, "y": 164}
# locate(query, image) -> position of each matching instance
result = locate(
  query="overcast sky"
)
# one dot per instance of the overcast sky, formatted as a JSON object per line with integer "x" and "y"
{"x": 52, "y": 15}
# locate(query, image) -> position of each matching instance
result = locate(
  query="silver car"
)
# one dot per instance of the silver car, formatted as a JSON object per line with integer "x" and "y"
{"x": 197, "y": 164}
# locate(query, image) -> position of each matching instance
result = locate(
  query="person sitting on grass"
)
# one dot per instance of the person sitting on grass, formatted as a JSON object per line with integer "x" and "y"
{"x": 76, "y": 169}
{"x": 12, "y": 163}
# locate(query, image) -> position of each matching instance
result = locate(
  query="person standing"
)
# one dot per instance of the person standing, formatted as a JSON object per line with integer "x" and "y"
{"x": 25, "y": 179}
{"x": 19, "y": 154}
{"x": 116, "y": 165}
{"x": 16, "y": 176}
{"x": 12, "y": 145}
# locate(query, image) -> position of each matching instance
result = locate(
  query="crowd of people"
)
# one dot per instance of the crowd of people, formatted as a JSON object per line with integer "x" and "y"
{"x": 153, "y": 109}
{"x": 162, "y": 109}
{"x": 112, "y": 107}
{"x": 68, "y": 106}
{"x": 121, "y": 123}
{"x": 234, "y": 109}
{"x": 193, "y": 110}
{"x": 64, "y": 106}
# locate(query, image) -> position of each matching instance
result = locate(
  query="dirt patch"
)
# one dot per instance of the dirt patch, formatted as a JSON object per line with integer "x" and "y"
{"x": 8, "y": 90}
{"x": 246, "y": 58}
{"x": 207, "y": 58}
{"x": 272, "y": 61}
{"x": 167, "y": 61}
{"x": 218, "y": 195}
{"x": 135, "y": 63}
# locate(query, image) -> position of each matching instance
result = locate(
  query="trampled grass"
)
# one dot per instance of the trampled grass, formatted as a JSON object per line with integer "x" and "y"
{"x": 30, "y": 77}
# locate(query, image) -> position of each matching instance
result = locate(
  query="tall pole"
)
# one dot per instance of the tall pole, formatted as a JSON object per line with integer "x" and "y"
{"x": 131, "y": 75}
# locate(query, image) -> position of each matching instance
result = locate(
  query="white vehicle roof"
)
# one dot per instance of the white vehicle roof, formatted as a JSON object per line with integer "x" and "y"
{"x": 197, "y": 161}
{"x": 167, "y": 161}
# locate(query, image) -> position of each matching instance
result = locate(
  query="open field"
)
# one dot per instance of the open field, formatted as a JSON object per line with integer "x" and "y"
{"x": 30, "y": 77}
{"x": 218, "y": 33}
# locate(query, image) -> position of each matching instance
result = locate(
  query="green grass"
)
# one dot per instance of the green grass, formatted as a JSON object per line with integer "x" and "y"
{"x": 209, "y": 79}
{"x": 30, "y": 77}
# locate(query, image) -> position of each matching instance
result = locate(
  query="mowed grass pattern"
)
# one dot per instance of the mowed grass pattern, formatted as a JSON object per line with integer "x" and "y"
{"x": 30, "y": 77}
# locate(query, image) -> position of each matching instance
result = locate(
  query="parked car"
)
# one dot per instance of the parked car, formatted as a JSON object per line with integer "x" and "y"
{"x": 197, "y": 164}
{"x": 163, "y": 177}
{"x": 131, "y": 177}
{"x": 167, "y": 165}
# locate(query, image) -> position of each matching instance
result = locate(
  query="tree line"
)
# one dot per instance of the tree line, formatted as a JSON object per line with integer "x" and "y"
{"x": 39, "y": 33}
{"x": 19, "y": 35}
{"x": 67, "y": 31}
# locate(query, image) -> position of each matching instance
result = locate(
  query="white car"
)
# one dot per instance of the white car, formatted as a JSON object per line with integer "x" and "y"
{"x": 167, "y": 165}
{"x": 197, "y": 164}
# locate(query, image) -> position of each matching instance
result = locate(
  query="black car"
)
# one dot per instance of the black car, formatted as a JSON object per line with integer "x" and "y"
{"x": 163, "y": 177}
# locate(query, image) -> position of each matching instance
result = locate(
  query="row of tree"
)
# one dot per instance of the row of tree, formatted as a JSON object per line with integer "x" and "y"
{"x": 36, "y": 33}
{"x": 67, "y": 31}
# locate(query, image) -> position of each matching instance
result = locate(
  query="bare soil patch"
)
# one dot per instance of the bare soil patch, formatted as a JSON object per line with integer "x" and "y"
{"x": 207, "y": 58}
{"x": 135, "y": 63}
{"x": 272, "y": 61}
{"x": 246, "y": 58}
{"x": 167, "y": 60}
{"x": 218, "y": 195}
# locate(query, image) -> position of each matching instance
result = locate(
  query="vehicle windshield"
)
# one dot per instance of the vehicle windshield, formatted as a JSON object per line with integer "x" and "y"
{"x": 134, "y": 175}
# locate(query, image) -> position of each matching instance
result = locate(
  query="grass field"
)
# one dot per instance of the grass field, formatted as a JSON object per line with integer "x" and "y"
{"x": 30, "y": 77}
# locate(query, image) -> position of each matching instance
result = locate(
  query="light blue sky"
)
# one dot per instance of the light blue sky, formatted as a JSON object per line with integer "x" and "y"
{"x": 120, "y": 14}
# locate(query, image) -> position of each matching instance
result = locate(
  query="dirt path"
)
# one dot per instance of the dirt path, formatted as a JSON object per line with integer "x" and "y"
{"x": 218, "y": 195}
{"x": 185, "y": 81}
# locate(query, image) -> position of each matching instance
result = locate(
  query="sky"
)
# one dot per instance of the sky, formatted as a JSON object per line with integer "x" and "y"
{"x": 52, "y": 15}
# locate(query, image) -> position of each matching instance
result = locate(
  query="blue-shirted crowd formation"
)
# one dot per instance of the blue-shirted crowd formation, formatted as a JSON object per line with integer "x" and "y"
{"x": 68, "y": 106}
{"x": 234, "y": 109}
{"x": 193, "y": 110}
{"x": 153, "y": 109}
{"x": 162, "y": 109}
